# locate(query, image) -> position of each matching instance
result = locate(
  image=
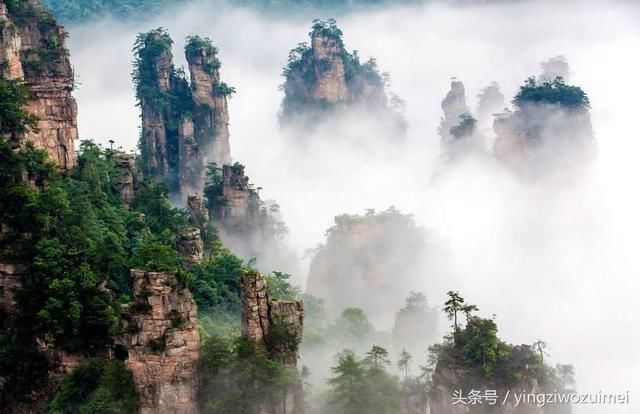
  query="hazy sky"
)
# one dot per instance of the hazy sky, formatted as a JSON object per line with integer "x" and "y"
{"x": 556, "y": 259}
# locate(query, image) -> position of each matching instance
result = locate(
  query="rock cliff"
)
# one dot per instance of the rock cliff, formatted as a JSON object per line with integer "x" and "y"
{"x": 323, "y": 80}
{"x": 366, "y": 257}
{"x": 278, "y": 325}
{"x": 190, "y": 247}
{"x": 160, "y": 334}
{"x": 129, "y": 177}
{"x": 549, "y": 128}
{"x": 452, "y": 381}
{"x": 184, "y": 125}
{"x": 32, "y": 49}
{"x": 454, "y": 105}
{"x": 245, "y": 223}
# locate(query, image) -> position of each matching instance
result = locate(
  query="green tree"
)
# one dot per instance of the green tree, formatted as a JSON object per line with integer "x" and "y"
{"x": 352, "y": 326}
{"x": 452, "y": 306}
{"x": 403, "y": 362}
{"x": 100, "y": 387}
{"x": 351, "y": 389}
{"x": 377, "y": 357}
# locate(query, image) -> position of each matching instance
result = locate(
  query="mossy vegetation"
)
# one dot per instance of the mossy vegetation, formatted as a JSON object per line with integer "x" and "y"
{"x": 98, "y": 387}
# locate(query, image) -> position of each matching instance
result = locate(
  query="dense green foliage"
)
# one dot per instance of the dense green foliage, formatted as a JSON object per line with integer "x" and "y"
{"x": 80, "y": 11}
{"x": 555, "y": 92}
{"x": 465, "y": 128}
{"x": 239, "y": 375}
{"x": 46, "y": 57}
{"x": 80, "y": 242}
{"x": 14, "y": 119}
{"x": 366, "y": 385}
{"x": 300, "y": 65}
{"x": 415, "y": 324}
{"x": 100, "y": 387}
{"x": 486, "y": 358}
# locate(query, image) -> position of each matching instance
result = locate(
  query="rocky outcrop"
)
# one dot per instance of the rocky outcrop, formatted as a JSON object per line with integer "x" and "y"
{"x": 129, "y": 177}
{"x": 244, "y": 222}
{"x": 161, "y": 337}
{"x": 539, "y": 137}
{"x": 211, "y": 114}
{"x": 32, "y": 49}
{"x": 190, "y": 247}
{"x": 184, "y": 125}
{"x": 454, "y": 105}
{"x": 198, "y": 212}
{"x": 450, "y": 393}
{"x": 278, "y": 325}
{"x": 490, "y": 102}
{"x": 364, "y": 257}
{"x": 324, "y": 79}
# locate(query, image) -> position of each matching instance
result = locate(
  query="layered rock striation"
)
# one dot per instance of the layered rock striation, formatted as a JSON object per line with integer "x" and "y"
{"x": 160, "y": 335}
{"x": 32, "y": 50}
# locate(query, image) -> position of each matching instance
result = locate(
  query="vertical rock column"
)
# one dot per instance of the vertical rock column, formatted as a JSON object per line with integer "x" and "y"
{"x": 260, "y": 317}
{"x": 161, "y": 337}
{"x": 211, "y": 114}
{"x": 155, "y": 67}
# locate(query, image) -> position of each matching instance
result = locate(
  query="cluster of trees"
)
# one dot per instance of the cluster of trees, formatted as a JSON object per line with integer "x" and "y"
{"x": 554, "y": 92}
{"x": 80, "y": 11}
{"x": 367, "y": 385}
{"x": 367, "y": 86}
{"x": 80, "y": 241}
{"x": 239, "y": 375}
{"x": 477, "y": 348}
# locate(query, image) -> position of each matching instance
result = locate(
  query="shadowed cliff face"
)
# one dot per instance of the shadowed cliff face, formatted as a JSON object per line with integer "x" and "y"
{"x": 32, "y": 48}
{"x": 184, "y": 126}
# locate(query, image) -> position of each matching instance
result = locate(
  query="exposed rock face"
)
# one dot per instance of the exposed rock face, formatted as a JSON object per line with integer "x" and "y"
{"x": 490, "y": 102}
{"x": 129, "y": 177}
{"x": 454, "y": 105}
{"x": 161, "y": 337}
{"x": 32, "y": 48}
{"x": 245, "y": 223}
{"x": 324, "y": 77}
{"x": 211, "y": 115}
{"x": 198, "y": 212}
{"x": 330, "y": 84}
{"x": 238, "y": 215}
{"x": 452, "y": 380}
{"x": 184, "y": 126}
{"x": 272, "y": 322}
{"x": 538, "y": 136}
{"x": 190, "y": 247}
{"x": 365, "y": 257}
{"x": 446, "y": 380}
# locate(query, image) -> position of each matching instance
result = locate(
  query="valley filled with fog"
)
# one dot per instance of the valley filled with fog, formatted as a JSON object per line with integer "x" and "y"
{"x": 554, "y": 257}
